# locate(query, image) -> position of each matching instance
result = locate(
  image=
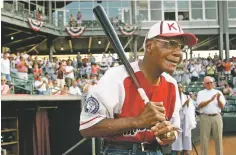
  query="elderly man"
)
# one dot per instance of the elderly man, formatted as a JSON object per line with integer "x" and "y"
{"x": 41, "y": 85}
{"x": 115, "y": 111}
{"x": 210, "y": 101}
{"x": 74, "y": 89}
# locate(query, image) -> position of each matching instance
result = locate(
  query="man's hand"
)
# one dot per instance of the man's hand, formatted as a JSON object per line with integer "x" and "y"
{"x": 186, "y": 102}
{"x": 165, "y": 132}
{"x": 152, "y": 113}
{"x": 213, "y": 97}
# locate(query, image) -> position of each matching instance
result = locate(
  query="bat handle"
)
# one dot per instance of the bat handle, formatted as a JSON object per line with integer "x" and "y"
{"x": 143, "y": 95}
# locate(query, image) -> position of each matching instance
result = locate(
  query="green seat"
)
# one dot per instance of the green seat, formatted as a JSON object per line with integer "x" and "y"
{"x": 233, "y": 97}
{"x": 191, "y": 89}
{"x": 227, "y": 97}
{"x": 228, "y": 109}
{"x": 230, "y": 102}
{"x": 199, "y": 89}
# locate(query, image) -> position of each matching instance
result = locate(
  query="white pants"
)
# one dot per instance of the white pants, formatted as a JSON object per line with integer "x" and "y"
{"x": 60, "y": 83}
{"x": 182, "y": 142}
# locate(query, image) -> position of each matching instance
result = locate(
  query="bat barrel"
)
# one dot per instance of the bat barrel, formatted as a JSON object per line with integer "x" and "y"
{"x": 114, "y": 40}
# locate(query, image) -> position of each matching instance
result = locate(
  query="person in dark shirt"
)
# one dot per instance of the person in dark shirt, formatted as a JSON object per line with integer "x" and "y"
{"x": 220, "y": 70}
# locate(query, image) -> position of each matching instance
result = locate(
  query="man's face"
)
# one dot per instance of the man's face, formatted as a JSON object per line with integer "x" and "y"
{"x": 162, "y": 53}
{"x": 208, "y": 83}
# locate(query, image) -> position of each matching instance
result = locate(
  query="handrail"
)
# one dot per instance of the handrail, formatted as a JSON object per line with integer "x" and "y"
{"x": 54, "y": 22}
{"x": 14, "y": 78}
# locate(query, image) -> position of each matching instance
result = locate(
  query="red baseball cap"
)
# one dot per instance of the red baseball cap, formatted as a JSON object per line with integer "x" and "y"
{"x": 170, "y": 29}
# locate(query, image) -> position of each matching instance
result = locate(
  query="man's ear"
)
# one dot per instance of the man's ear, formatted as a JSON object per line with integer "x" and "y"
{"x": 148, "y": 46}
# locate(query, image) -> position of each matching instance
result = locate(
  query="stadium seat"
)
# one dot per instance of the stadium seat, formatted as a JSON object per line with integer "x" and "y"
{"x": 233, "y": 97}
{"x": 228, "y": 109}
{"x": 227, "y": 97}
{"x": 191, "y": 89}
{"x": 199, "y": 89}
{"x": 230, "y": 102}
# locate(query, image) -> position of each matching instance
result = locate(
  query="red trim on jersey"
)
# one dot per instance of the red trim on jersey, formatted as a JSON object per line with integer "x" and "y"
{"x": 90, "y": 120}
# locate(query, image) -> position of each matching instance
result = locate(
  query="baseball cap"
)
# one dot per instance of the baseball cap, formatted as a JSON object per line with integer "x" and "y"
{"x": 170, "y": 29}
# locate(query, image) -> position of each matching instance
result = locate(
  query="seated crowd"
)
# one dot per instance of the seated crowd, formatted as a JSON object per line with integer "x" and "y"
{"x": 75, "y": 76}
{"x": 55, "y": 77}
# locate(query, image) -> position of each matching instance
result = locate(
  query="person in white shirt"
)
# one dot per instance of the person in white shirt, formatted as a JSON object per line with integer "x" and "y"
{"x": 69, "y": 72}
{"x": 5, "y": 67}
{"x": 74, "y": 89}
{"x": 187, "y": 121}
{"x": 210, "y": 102}
{"x": 55, "y": 90}
{"x": 40, "y": 85}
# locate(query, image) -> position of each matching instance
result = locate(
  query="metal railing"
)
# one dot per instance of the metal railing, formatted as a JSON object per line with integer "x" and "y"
{"x": 26, "y": 85}
{"x": 58, "y": 23}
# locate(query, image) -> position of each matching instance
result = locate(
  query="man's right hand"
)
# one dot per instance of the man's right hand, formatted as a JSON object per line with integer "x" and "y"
{"x": 213, "y": 97}
{"x": 152, "y": 113}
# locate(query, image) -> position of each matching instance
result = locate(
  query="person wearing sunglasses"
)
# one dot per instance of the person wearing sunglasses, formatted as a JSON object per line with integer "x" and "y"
{"x": 210, "y": 102}
{"x": 115, "y": 111}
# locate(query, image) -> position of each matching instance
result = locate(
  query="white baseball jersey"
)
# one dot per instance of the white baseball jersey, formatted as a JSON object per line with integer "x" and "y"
{"x": 116, "y": 96}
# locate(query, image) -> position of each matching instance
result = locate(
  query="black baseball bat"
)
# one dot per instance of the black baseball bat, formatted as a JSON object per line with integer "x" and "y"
{"x": 118, "y": 48}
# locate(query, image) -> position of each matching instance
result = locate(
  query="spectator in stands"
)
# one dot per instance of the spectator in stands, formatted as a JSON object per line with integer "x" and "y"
{"x": 64, "y": 90}
{"x": 186, "y": 76}
{"x": 50, "y": 68}
{"x": 103, "y": 64}
{"x": 74, "y": 89}
{"x": 72, "y": 21}
{"x": 5, "y": 67}
{"x": 90, "y": 86}
{"x": 4, "y": 87}
{"x": 60, "y": 75}
{"x": 74, "y": 63}
{"x": 109, "y": 60}
{"x": 37, "y": 71}
{"x": 40, "y": 85}
{"x": 227, "y": 66}
{"x": 30, "y": 62}
{"x": 94, "y": 69}
{"x": 79, "y": 60}
{"x": 92, "y": 58}
{"x": 79, "y": 18}
{"x": 219, "y": 69}
{"x": 87, "y": 70}
{"x": 22, "y": 68}
{"x": 227, "y": 90}
{"x": 210, "y": 101}
{"x": 202, "y": 72}
{"x": 233, "y": 73}
{"x": 36, "y": 61}
{"x": 210, "y": 70}
{"x": 69, "y": 73}
{"x": 46, "y": 77}
{"x": 187, "y": 123}
{"x": 55, "y": 90}
{"x": 193, "y": 71}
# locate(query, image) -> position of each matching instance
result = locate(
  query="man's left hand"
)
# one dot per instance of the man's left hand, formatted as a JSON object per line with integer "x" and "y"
{"x": 165, "y": 132}
{"x": 167, "y": 140}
